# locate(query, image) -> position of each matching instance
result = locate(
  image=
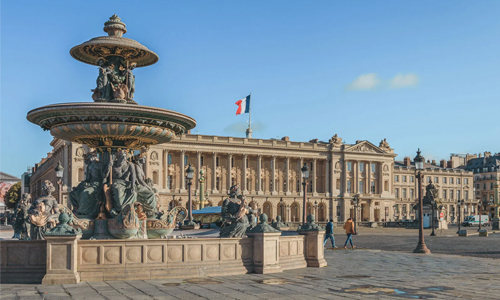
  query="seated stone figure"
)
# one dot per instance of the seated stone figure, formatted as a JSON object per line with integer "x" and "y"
{"x": 21, "y": 225}
{"x": 234, "y": 214}
{"x": 44, "y": 212}
{"x": 146, "y": 195}
{"x": 86, "y": 196}
{"x": 123, "y": 187}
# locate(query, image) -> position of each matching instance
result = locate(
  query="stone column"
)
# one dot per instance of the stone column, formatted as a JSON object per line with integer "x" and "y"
{"x": 183, "y": 169}
{"x": 244, "y": 180}
{"x": 344, "y": 177}
{"x": 273, "y": 177}
{"x": 62, "y": 260}
{"x": 287, "y": 176}
{"x": 301, "y": 187}
{"x": 229, "y": 168}
{"x": 355, "y": 184}
{"x": 214, "y": 173}
{"x": 198, "y": 168}
{"x": 66, "y": 166}
{"x": 314, "y": 175}
{"x": 327, "y": 177}
{"x": 259, "y": 175}
{"x": 313, "y": 247}
{"x": 165, "y": 170}
{"x": 369, "y": 177}
{"x": 332, "y": 177}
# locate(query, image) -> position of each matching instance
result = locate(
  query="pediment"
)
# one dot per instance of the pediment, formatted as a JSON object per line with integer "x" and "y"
{"x": 365, "y": 147}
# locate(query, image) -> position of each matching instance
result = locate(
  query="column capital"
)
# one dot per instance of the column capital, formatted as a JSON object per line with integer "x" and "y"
{"x": 214, "y": 153}
{"x": 183, "y": 151}
{"x": 245, "y": 155}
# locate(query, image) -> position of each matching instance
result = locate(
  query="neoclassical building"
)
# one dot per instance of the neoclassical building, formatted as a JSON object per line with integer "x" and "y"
{"x": 452, "y": 181}
{"x": 268, "y": 172}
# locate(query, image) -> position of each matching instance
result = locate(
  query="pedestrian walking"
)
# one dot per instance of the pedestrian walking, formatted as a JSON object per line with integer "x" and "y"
{"x": 329, "y": 234}
{"x": 349, "y": 230}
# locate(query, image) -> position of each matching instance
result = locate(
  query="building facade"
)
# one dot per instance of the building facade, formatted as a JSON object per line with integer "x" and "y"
{"x": 453, "y": 184}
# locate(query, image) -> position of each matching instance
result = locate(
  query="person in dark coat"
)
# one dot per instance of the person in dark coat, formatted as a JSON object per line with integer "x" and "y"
{"x": 329, "y": 234}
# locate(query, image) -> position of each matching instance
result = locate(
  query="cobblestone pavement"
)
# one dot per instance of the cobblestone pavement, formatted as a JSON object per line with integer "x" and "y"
{"x": 351, "y": 274}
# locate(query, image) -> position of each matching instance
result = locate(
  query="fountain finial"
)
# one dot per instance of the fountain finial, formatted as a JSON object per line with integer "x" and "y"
{"x": 115, "y": 27}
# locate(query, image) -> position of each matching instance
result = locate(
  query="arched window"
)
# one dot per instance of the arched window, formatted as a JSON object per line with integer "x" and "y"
{"x": 321, "y": 212}
{"x": 295, "y": 212}
{"x": 268, "y": 210}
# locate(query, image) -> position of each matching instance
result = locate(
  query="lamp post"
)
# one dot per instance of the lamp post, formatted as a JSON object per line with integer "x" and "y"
{"x": 305, "y": 176}
{"x": 496, "y": 219}
{"x": 479, "y": 209}
{"x": 433, "y": 203}
{"x": 201, "y": 194}
{"x": 459, "y": 203}
{"x": 189, "y": 177}
{"x": 281, "y": 208}
{"x": 419, "y": 166}
{"x": 355, "y": 202}
{"x": 287, "y": 213}
{"x": 59, "y": 174}
{"x": 316, "y": 210}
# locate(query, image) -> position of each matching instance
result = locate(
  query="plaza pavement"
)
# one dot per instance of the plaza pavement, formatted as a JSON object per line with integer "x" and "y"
{"x": 363, "y": 273}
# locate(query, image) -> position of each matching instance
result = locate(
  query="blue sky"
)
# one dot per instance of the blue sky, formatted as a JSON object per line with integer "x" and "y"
{"x": 419, "y": 73}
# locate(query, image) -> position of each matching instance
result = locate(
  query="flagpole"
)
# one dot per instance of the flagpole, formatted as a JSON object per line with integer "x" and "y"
{"x": 249, "y": 130}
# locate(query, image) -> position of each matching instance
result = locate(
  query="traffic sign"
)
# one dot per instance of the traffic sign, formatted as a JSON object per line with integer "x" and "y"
{"x": 441, "y": 215}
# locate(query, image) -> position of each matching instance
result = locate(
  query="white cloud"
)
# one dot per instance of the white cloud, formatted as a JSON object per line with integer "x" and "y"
{"x": 364, "y": 82}
{"x": 403, "y": 80}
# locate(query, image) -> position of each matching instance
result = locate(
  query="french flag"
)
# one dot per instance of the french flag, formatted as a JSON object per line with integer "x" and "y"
{"x": 243, "y": 105}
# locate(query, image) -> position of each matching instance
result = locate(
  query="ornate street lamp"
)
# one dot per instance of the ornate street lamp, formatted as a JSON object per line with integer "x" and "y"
{"x": 355, "y": 202}
{"x": 459, "y": 203}
{"x": 480, "y": 210}
{"x": 189, "y": 177}
{"x": 419, "y": 165}
{"x": 316, "y": 210}
{"x": 281, "y": 208}
{"x": 305, "y": 176}
{"x": 433, "y": 203}
{"x": 59, "y": 174}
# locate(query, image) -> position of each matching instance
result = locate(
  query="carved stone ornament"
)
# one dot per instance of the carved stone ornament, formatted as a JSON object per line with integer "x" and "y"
{"x": 336, "y": 141}
{"x": 154, "y": 156}
{"x": 384, "y": 145}
{"x": 310, "y": 225}
{"x": 79, "y": 152}
{"x": 263, "y": 226}
{"x": 386, "y": 168}
{"x": 363, "y": 148}
{"x": 63, "y": 228}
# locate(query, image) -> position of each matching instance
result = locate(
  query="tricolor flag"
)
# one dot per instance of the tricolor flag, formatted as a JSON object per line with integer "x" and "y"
{"x": 243, "y": 105}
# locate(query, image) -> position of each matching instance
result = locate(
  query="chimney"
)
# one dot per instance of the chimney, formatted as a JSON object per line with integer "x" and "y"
{"x": 407, "y": 161}
{"x": 487, "y": 154}
{"x": 428, "y": 161}
{"x": 480, "y": 155}
{"x": 314, "y": 141}
{"x": 451, "y": 164}
{"x": 442, "y": 163}
{"x": 433, "y": 162}
{"x": 285, "y": 139}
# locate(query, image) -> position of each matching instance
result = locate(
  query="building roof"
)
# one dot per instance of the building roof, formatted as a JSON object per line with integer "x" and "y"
{"x": 484, "y": 162}
{"x": 8, "y": 177}
{"x": 427, "y": 166}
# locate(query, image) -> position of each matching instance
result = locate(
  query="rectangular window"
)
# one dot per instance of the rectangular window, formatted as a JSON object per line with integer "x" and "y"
{"x": 404, "y": 193}
{"x": 361, "y": 187}
{"x": 216, "y": 161}
{"x": 338, "y": 210}
{"x": 201, "y": 160}
{"x": 374, "y": 168}
{"x": 404, "y": 178}
{"x": 466, "y": 180}
{"x": 373, "y": 187}
{"x": 361, "y": 167}
{"x": 444, "y": 194}
{"x": 451, "y": 194}
{"x": 436, "y": 179}
{"x": 248, "y": 185}
{"x": 444, "y": 179}
{"x": 412, "y": 179}
{"x": 185, "y": 160}
{"x": 466, "y": 195}
{"x": 491, "y": 185}
{"x": 484, "y": 186}
{"x": 348, "y": 186}
{"x": 451, "y": 180}
{"x": 298, "y": 185}
{"x": 458, "y": 195}
{"x": 217, "y": 183}
{"x": 412, "y": 193}
{"x": 396, "y": 178}
{"x": 458, "y": 180}
{"x": 232, "y": 162}
{"x": 169, "y": 160}
{"x": 428, "y": 179}
{"x": 349, "y": 166}
{"x": 396, "y": 193}
{"x": 396, "y": 208}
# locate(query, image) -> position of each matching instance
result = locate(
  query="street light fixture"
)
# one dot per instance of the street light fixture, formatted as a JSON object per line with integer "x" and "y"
{"x": 305, "y": 176}
{"x": 316, "y": 210}
{"x": 419, "y": 165}
{"x": 59, "y": 174}
{"x": 460, "y": 203}
{"x": 281, "y": 208}
{"x": 189, "y": 177}
{"x": 355, "y": 202}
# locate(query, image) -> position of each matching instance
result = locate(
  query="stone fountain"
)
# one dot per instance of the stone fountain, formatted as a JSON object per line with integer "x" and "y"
{"x": 115, "y": 198}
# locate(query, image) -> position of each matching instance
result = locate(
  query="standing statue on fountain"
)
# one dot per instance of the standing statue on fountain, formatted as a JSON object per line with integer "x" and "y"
{"x": 145, "y": 193}
{"x": 123, "y": 188}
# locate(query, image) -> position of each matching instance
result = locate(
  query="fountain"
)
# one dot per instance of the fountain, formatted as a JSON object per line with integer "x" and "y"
{"x": 115, "y": 198}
